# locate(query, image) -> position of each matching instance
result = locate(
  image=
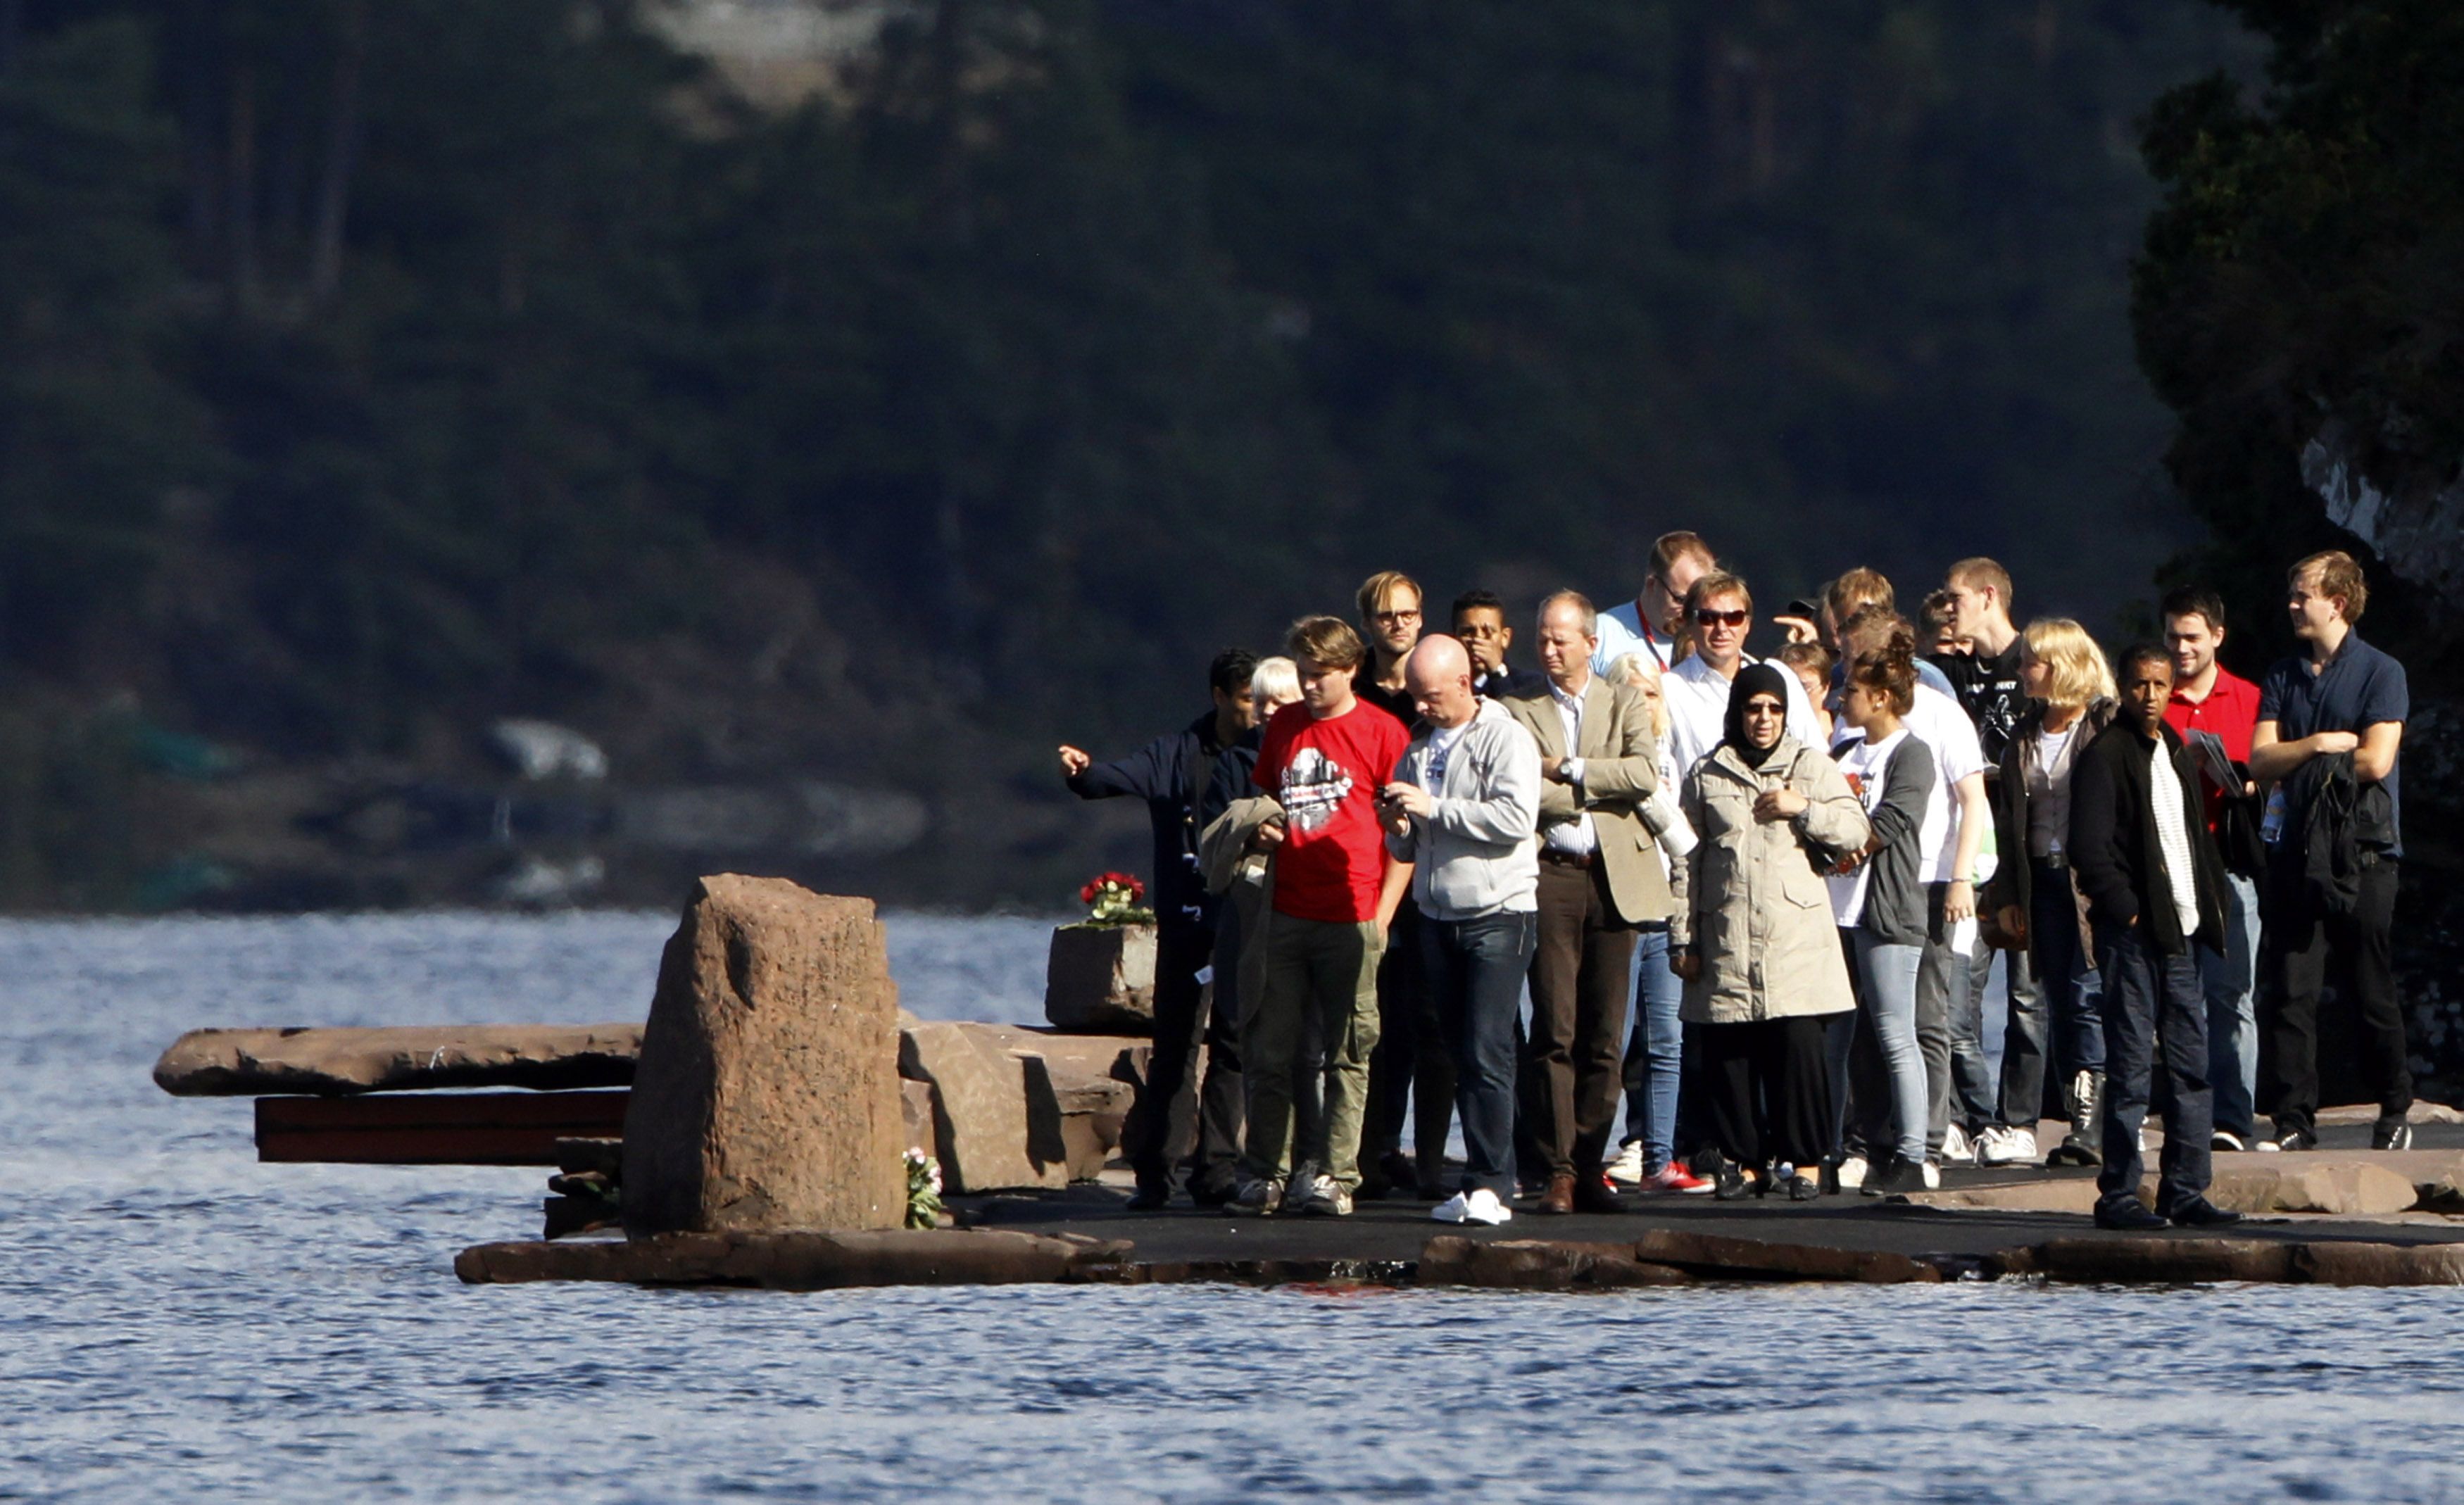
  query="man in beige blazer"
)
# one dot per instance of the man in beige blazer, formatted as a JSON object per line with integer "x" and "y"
{"x": 1600, "y": 878}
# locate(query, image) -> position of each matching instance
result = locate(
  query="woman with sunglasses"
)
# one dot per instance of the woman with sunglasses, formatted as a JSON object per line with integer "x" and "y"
{"x": 1755, "y": 941}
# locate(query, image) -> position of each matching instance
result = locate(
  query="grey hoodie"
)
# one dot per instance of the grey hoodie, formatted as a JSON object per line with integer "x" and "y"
{"x": 1477, "y": 851}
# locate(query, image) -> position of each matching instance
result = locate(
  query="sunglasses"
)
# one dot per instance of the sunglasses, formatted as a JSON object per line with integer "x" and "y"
{"x": 1721, "y": 618}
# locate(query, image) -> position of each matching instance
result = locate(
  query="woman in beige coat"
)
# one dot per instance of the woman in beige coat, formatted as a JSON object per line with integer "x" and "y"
{"x": 1754, "y": 940}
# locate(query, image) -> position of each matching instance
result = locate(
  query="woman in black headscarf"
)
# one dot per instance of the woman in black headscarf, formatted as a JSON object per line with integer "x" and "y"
{"x": 1753, "y": 938}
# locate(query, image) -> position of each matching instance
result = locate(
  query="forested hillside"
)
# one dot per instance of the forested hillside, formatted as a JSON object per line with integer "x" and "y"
{"x": 372, "y": 369}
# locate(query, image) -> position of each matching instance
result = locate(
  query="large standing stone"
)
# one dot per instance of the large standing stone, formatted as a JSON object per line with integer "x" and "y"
{"x": 768, "y": 1094}
{"x": 1100, "y": 978}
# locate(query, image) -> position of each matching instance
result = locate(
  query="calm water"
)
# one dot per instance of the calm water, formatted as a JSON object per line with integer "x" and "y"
{"x": 177, "y": 1321}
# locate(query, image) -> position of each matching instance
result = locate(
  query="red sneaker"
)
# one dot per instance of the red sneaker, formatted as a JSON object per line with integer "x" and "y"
{"x": 1673, "y": 1177}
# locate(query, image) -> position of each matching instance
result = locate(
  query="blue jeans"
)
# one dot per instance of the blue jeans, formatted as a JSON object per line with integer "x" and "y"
{"x": 1474, "y": 970}
{"x": 2232, "y": 1022}
{"x": 2156, "y": 1054}
{"x": 1655, "y": 1055}
{"x": 2067, "y": 973}
{"x": 1888, "y": 1008}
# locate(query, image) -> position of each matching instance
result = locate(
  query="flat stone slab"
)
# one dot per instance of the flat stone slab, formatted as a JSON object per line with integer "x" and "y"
{"x": 794, "y": 1260}
{"x": 2349, "y": 1183}
{"x": 326, "y": 1062}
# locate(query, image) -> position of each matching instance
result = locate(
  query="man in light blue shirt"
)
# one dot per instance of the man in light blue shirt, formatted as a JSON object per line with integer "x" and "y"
{"x": 1647, "y": 624}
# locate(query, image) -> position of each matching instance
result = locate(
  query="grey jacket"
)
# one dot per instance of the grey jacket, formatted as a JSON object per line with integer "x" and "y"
{"x": 1895, "y": 901}
{"x": 1752, "y": 901}
{"x": 1477, "y": 850}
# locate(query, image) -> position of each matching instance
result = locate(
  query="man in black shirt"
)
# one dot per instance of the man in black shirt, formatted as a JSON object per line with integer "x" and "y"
{"x": 1480, "y": 623}
{"x": 1985, "y": 680}
{"x": 2330, "y": 727}
{"x": 1403, "y": 1077}
{"x": 1173, "y": 775}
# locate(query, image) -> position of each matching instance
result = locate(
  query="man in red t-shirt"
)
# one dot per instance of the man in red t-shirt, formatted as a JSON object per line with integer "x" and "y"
{"x": 1335, "y": 889}
{"x": 2208, "y": 697}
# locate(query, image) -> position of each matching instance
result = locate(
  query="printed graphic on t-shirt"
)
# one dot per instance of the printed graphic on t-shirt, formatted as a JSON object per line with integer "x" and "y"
{"x": 1314, "y": 785}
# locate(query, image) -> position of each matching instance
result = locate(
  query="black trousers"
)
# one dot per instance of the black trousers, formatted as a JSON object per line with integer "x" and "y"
{"x": 1573, "y": 1065}
{"x": 1769, "y": 1089}
{"x": 2303, "y": 950}
{"x": 1412, "y": 1068}
{"x": 1179, "y": 1115}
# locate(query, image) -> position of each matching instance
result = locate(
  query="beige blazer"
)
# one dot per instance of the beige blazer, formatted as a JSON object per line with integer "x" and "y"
{"x": 1620, "y": 769}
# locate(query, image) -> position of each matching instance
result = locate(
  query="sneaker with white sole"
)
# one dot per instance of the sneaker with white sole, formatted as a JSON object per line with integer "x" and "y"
{"x": 1325, "y": 1198}
{"x": 2395, "y": 1135}
{"x": 1932, "y": 1176}
{"x": 1256, "y": 1198}
{"x": 1626, "y": 1170}
{"x": 1675, "y": 1177}
{"x": 1479, "y": 1204}
{"x": 1957, "y": 1148}
{"x": 2225, "y": 1142}
{"x": 2006, "y": 1146}
{"x": 1852, "y": 1172}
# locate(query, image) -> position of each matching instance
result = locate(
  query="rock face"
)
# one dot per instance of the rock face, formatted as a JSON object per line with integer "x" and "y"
{"x": 1100, "y": 978}
{"x": 767, "y": 1095}
{"x": 916, "y": 1114}
{"x": 798, "y": 1260}
{"x": 997, "y": 1114}
{"x": 250, "y": 1063}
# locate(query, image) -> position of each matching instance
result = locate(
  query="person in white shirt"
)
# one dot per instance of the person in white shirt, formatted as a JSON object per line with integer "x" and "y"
{"x": 1957, "y": 818}
{"x": 1648, "y": 625}
{"x": 1695, "y": 691}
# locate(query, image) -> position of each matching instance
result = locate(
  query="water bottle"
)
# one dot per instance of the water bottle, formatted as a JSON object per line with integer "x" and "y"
{"x": 2271, "y": 826}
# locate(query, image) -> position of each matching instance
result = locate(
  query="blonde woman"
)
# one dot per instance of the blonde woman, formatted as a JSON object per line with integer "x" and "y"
{"x": 2071, "y": 699}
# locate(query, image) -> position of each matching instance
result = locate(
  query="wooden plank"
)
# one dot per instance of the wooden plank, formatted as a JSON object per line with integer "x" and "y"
{"x": 434, "y": 1128}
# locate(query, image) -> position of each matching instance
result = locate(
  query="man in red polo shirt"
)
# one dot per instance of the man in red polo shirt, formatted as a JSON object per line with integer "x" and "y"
{"x": 2208, "y": 697}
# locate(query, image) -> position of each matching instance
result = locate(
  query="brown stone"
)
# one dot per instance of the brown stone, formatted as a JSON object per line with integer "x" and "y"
{"x": 767, "y": 1096}
{"x": 2160, "y": 1262}
{"x": 796, "y": 1260}
{"x": 583, "y": 1156}
{"x": 253, "y": 1063}
{"x": 1100, "y": 978}
{"x": 2380, "y": 1264}
{"x": 2444, "y": 1194}
{"x": 1714, "y": 1256}
{"x": 916, "y": 1115}
{"x": 998, "y": 1119}
{"x": 1092, "y": 1115}
{"x": 566, "y": 1216}
{"x": 2310, "y": 1184}
{"x": 1530, "y": 1264}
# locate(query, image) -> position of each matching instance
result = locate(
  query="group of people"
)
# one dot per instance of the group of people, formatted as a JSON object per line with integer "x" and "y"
{"x": 1792, "y": 874}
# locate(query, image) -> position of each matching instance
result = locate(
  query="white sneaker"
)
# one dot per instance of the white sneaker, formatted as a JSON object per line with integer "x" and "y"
{"x": 2006, "y": 1146}
{"x": 1932, "y": 1176}
{"x": 1957, "y": 1148}
{"x": 1480, "y": 1205}
{"x": 1852, "y": 1172}
{"x": 1626, "y": 1170}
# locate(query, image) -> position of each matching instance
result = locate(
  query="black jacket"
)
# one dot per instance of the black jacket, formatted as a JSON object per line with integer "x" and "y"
{"x": 1508, "y": 682}
{"x": 1171, "y": 775}
{"x": 2116, "y": 855}
{"x": 2015, "y": 878}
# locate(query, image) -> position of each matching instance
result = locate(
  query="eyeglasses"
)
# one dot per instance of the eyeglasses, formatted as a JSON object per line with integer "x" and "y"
{"x": 1765, "y": 708}
{"x": 1412, "y": 614}
{"x": 1721, "y": 618}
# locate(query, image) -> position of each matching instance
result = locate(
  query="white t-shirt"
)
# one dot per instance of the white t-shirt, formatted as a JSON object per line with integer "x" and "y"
{"x": 1937, "y": 720}
{"x": 1864, "y": 765}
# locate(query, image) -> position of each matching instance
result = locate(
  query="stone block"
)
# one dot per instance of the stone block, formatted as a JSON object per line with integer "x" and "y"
{"x": 2307, "y": 1184}
{"x": 1100, "y": 978}
{"x": 1092, "y": 1115}
{"x": 997, "y": 1118}
{"x": 2136, "y": 1260}
{"x": 1714, "y": 1256}
{"x": 2380, "y": 1264}
{"x": 915, "y": 1117}
{"x": 1530, "y": 1264}
{"x": 797, "y": 1261}
{"x": 767, "y": 1092}
{"x": 325, "y": 1062}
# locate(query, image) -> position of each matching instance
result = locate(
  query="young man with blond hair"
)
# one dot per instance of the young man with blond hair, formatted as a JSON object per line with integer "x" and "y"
{"x": 1334, "y": 892}
{"x": 2330, "y": 729}
{"x": 1651, "y": 624}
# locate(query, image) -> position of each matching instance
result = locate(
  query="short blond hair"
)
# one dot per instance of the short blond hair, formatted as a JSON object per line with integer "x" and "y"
{"x": 2075, "y": 672}
{"x": 1718, "y": 583}
{"x": 1634, "y": 669}
{"x": 1861, "y": 586}
{"x": 1979, "y": 573}
{"x": 2339, "y": 575}
{"x": 1329, "y": 640}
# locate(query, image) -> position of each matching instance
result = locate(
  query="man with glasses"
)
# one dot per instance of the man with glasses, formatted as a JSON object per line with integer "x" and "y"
{"x": 1649, "y": 623}
{"x": 1697, "y": 690}
{"x": 1480, "y": 623}
{"x": 1409, "y": 1069}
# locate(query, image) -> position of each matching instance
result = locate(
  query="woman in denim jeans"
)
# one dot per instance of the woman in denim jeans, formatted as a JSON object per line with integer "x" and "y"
{"x": 2070, "y": 687}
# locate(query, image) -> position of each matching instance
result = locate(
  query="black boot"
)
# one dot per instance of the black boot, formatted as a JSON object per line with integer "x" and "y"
{"x": 2087, "y": 1109}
